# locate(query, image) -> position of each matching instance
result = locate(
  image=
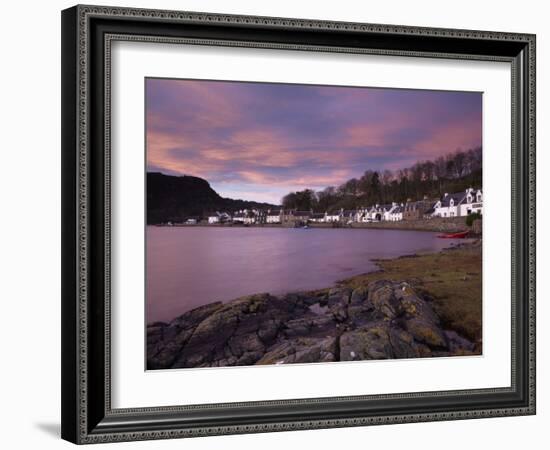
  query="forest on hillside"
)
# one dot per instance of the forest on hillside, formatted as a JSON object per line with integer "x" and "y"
{"x": 454, "y": 172}
{"x": 176, "y": 198}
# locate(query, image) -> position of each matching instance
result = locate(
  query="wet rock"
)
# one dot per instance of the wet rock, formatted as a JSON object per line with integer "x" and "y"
{"x": 339, "y": 295}
{"x": 297, "y": 327}
{"x": 302, "y": 350}
{"x": 383, "y": 320}
{"x": 458, "y": 344}
{"x": 268, "y": 330}
{"x": 382, "y": 297}
{"x": 359, "y": 296}
{"x": 366, "y": 343}
{"x": 404, "y": 345}
{"x": 360, "y": 308}
{"x": 426, "y": 332}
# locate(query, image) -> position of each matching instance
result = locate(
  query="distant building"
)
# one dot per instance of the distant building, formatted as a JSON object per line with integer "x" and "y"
{"x": 287, "y": 215}
{"x": 334, "y": 216}
{"x": 219, "y": 217}
{"x": 396, "y": 213}
{"x": 348, "y": 215}
{"x": 362, "y": 215}
{"x": 472, "y": 204}
{"x": 214, "y": 218}
{"x": 416, "y": 210}
{"x": 238, "y": 217}
{"x": 459, "y": 204}
{"x": 274, "y": 216}
{"x": 371, "y": 214}
{"x": 250, "y": 218}
{"x": 301, "y": 216}
{"x": 318, "y": 217}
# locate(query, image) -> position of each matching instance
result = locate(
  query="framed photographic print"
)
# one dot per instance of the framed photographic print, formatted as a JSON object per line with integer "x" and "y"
{"x": 281, "y": 224}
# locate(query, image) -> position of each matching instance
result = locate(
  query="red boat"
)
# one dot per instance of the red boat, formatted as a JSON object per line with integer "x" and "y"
{"x": 459, "y": 235}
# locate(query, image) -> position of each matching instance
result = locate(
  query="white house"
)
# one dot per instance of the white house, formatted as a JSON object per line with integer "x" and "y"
{"x": 361, "y": 215}
{"x": 219, "y": 218}
{"x": 318, "y": 217}
{"x": 238, "y": 217}
{"x": 459, "y": 204}
{"x": 214, "y": 218}
{"x": 274, "y": 216}
{"x": 348, "y": 216}
{"x": 473, "y": 203}
{"x": 371, "y": 214}
{"x": 334, "y": 216}
{"x": 249, "y": 217}
{"x": 396, "y": 213}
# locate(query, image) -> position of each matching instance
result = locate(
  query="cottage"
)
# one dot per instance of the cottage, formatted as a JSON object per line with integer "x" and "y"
{"x": 318, "y": 217}
{"x": 219, "y": 218}
{"x": 301, "y": 216}
{"x": 459, "y": 204}
{"x": 260, "y": 216}
{"x": 238, "y": 217}
{"x": 348, "y": 216}
{"x": 334, "y": 216}
{"x": 396, "y": 213}
{"x": 214, "y": 218}
{"x": 376, "y": 214}
{"x": 274, "y": 216}
{"x": 473, "y": 203}
{"x": 249, "y": 218}
{"x": 417, "y": 210}
{"x": 362, "y": 215}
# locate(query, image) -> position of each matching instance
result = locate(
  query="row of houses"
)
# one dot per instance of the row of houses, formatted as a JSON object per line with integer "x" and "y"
{"x": 450, "y": 205}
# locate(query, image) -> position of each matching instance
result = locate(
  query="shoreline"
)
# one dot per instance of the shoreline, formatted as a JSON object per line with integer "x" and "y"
{"x": 436, "y": 224}
{"x": 267, "y": 329}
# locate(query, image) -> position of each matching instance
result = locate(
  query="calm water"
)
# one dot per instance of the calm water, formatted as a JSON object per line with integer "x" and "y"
{"x": 189, "y": 267}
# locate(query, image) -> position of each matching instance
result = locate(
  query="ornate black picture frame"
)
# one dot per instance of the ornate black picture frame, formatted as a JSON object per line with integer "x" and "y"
{"x": 87, "y": 34}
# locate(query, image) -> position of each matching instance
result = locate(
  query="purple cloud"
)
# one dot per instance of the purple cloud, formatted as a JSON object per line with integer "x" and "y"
{"x": 261, "y": 140}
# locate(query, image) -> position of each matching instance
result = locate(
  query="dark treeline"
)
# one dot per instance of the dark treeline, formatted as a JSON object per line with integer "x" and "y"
{"x": 451, "y": 173}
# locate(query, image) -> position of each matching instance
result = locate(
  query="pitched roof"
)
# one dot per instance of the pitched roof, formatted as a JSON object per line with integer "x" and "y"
{"x": 457, "y": 197}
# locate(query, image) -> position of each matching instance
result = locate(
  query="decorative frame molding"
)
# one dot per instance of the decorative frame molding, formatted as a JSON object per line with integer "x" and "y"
{"x": 87, "y": 34}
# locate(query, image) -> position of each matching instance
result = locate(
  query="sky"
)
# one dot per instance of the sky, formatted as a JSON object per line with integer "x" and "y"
{"x": 260, "y": 141}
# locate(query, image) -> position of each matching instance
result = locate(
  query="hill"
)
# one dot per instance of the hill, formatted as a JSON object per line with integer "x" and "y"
{"x": 175, "y": 198}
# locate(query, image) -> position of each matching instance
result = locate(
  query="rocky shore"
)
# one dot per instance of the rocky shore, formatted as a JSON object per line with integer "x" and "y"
{"x": 381, "y": 319}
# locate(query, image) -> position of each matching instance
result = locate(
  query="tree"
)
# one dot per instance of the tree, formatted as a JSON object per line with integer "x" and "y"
{"x": 302, "y": 200}
{"x": 452, "y": 173}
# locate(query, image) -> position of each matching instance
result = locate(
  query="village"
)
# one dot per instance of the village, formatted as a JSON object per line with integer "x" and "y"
{"x": 459, "y": 204}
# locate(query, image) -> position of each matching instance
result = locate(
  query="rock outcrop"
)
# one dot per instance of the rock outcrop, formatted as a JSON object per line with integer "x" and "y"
{"x": 383, "y": 320}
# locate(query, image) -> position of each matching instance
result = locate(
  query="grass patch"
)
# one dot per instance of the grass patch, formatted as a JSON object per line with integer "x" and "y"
{"x": 452, "y": 278}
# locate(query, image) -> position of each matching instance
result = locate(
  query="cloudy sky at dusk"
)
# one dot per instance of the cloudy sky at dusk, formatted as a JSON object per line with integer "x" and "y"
{"x": 259, "y": 141}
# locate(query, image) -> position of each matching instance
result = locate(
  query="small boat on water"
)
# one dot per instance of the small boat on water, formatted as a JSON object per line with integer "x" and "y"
{"x": 459, "y": 235}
